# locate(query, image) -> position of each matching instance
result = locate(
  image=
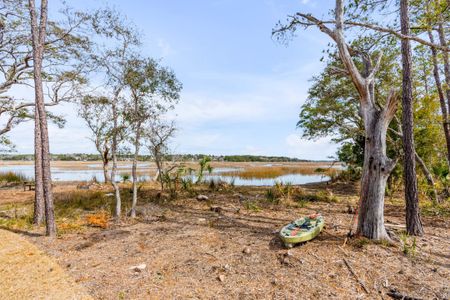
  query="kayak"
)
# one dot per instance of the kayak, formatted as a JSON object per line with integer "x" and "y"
{"x": 302, "y": 230}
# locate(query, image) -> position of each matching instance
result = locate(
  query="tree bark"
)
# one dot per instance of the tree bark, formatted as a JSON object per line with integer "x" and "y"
{"x": 38, "y": 33}
{"x": 134, "y": 171}
{"x": 413, "y": 222}
{"x": 114, "y": 147}
{"x": 428, "y": 176}
{"x": 442, "y": 100}
{"x": 376, "y": 169}
{"x": 38, "y": 215}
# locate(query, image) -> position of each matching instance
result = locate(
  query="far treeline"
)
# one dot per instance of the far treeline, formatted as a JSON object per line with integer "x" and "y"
{"x": 168, "y": 157}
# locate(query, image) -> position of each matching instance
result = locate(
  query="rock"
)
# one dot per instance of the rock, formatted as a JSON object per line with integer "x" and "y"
{"x": 202, "y": 198}
{"x": 221, "y": 278}
{"x": 247, "y": 250}
{"x": 227, "y": 267}
{"x": 289, "y": 253}
{"x": 139, "y": 268}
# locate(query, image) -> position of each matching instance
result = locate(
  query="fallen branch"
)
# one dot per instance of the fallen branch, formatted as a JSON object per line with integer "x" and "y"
{"x": 356, "y": 276}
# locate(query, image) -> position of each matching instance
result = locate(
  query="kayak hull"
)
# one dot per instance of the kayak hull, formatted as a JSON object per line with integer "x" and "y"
{"x": 302, "y": 230}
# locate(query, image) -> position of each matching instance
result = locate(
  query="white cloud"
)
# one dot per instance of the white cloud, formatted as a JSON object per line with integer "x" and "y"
{"x": 310, "y": 149}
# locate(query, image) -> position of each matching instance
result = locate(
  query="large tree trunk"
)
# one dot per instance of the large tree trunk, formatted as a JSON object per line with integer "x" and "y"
{"x": 38, "y": 40}
{"x": 376, "y": 169}
{"x": 134, "y": 172}
{"x": 38, "y": 216}
{"x": 413, "y": 222}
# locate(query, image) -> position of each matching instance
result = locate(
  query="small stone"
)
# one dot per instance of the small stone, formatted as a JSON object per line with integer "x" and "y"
{"x": 221, "y": 278}
{"x": 227, "y": 267}
{"x": 202, "y": 198}
{"x": 247, "y": 250}
{"x": 139, "y": 268}
{"x": 289, "y": 253}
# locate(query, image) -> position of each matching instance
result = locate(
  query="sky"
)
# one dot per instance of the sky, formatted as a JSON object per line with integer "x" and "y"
{"x": 242, "y": 90}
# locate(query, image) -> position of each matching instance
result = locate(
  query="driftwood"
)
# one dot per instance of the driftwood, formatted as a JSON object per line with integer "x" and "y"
{"x": 393, "y": 293}
{"x": 356, "y": 276}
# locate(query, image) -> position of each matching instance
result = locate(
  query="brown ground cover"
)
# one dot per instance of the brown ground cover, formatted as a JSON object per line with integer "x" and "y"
{"x": 191, "y": 249}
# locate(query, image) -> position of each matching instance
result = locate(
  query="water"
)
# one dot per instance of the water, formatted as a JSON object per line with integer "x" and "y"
{"x": 64, "y": 174}
{"x": 291, "y": 178}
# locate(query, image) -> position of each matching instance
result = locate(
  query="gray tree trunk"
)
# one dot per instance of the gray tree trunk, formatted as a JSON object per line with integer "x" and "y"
{"x": 376, "y": 169}
{"x": 38, "y": 33}
{"x": 413, "y": 222}
{"x": 428, "y": 176}
{"x": 134, "y": 171}
{"x": 114, "y": 148}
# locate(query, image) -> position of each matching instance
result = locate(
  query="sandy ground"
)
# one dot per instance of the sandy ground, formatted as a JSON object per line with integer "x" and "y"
{"x": 192, "y": 252}
{"x": 28, "y": 273}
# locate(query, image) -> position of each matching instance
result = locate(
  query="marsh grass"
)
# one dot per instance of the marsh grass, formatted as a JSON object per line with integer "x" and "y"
{"x": 266, "y": 172}
{"x": 13, "y": 177}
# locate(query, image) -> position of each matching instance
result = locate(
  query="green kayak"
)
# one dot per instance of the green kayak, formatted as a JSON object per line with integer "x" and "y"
{"x": 302, "y": 230}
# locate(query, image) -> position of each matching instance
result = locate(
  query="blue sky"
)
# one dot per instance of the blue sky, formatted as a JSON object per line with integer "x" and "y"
{"x": 242, "y": 89}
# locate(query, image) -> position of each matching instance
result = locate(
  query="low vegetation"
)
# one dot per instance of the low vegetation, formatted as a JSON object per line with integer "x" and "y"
{"x": 12, "y": 177}
{"x": 262, "y": 172}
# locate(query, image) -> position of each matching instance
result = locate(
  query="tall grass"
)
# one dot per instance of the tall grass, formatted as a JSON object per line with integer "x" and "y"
{"x": 262, "y": 172}
{"x": 13, "y": 177}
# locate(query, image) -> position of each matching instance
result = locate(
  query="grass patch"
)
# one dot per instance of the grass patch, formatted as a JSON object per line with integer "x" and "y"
{"x": 321, "y": 196}
{"x": 262, "y": 172}
{"x": 13, "y": 177}
{"x": 432, "y": 209}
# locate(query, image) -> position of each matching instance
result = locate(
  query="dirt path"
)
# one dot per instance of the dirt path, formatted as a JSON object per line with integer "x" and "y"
{"x": 28, "y": 273}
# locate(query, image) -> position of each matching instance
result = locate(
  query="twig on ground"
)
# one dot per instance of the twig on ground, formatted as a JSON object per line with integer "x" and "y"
{"x": 393, "y": 293}
{"x": 356, "y": 276}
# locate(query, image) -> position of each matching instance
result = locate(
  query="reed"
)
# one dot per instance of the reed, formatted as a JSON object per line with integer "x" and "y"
{"x": 13, "y": 177}
{"x": 263, "y": 172}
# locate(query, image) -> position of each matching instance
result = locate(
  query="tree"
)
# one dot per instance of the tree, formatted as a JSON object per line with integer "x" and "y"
{"x": 377, "y": 166}
{"x": 413, "y": 223}
{"x": 96, "y": 112}
{"x": 153, "y": 90}
{"x": 42, "y": 151}
{"x": 112, "y": 62}
{"x": 158, "y": 134}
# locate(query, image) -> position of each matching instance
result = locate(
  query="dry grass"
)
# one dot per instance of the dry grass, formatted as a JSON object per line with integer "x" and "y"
{"x": 261, "y": 172}
{"x": 99, "y": 219}
{"x": 27, "y": 273}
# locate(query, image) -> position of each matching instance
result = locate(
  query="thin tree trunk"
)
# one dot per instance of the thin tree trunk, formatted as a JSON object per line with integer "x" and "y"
{"x": 38, "y": 216}
{"x": 428, "y": 176}
{"x": 134, "y": 172}
{"x": 114, "y": 147}
{"x": 106, "y": 172}
{"x": 442, "y": 101}
{"x": 38, "y": 39}
{"x": 413, "y": 222}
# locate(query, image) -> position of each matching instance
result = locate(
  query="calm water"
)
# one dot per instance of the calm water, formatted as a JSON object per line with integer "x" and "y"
{"x": 63, "y": 174}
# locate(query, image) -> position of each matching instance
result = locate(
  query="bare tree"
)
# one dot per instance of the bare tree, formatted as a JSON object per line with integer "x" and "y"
{"x": 377, "y": 166}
